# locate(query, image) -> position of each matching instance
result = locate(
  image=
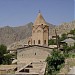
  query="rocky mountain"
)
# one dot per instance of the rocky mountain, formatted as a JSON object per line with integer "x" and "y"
{"x": 9, "y": 35}
{"x": 62, "y": 28}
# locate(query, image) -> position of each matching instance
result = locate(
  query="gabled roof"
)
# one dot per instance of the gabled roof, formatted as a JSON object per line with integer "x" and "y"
{"x": 68, "y": 40}
{"x": 40, "y": 20}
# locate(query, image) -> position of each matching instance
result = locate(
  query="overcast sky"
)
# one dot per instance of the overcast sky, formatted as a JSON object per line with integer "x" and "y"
{"x": 21, "y": 12}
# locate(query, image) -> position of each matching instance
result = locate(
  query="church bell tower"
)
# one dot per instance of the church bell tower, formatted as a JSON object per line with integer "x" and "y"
{"x": 40, "y": 31}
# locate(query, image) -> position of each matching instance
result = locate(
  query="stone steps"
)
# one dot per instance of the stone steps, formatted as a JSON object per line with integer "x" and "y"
{"x": 34, "y": 68}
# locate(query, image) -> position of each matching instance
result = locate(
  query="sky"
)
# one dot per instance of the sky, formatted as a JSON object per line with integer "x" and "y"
{"x": 21, "y": 12}
{"x": 74, "y": 9}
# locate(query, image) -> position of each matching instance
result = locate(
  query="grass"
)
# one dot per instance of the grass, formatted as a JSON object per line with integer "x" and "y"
{"x": 70, "y": 63}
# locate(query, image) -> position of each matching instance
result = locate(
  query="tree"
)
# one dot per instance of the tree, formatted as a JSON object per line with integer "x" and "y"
{"x": 5, "y": 57}
{"x": 51, "y": 42}
{"x": 3, "y": 49}
{"x": 54, "y": 61}
{"x": 63, "y": 37}
{"x": 72, "y": 32}
{"x": 67, "y": 50}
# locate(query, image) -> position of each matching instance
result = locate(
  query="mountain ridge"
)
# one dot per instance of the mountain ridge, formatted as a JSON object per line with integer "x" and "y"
{"x": 9, "y": 35}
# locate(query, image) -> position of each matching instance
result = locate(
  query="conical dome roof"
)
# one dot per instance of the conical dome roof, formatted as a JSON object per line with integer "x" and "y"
{"x": 40, "y": 20}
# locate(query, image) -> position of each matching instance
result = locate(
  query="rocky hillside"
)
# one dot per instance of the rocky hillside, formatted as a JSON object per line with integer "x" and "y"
{"x": 62, "y": 28}
{"x": 9, "y": 35}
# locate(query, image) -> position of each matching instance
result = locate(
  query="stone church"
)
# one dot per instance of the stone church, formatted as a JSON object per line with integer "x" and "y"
{"x": 40, "y": 32}
{"x": 31, "y": 58}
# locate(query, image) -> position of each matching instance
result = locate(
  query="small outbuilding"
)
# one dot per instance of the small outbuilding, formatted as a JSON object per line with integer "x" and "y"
{"x": 69, "y": 41}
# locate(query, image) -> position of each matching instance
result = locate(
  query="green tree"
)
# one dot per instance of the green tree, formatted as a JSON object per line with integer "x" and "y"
{"x": 67, "y": 50}
{"x": 3, "y": 49}
{"x": 63, "y": 37}
{"x": 51, "y": 42}
{"x": 72, "y": 32}
{"x": 54, "y": 62}
{"x": 5, "y": 57}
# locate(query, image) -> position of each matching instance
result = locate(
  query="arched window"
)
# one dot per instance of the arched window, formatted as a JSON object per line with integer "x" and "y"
{"x": 44, "y": 41}
{"x": 28, "y": 42}
{"x": 38, "y": 41}
{"x": 35, "y": 53}
{"x": 34, "y": 42}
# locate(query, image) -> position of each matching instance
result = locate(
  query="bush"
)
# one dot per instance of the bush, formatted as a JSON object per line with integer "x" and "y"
{"x": 3, "y": 49}
{"x": 54, "y": 62}
{"x": 51, "y": 42}
{"x": 5, "y": 57}
{"x": 63, "y": 37}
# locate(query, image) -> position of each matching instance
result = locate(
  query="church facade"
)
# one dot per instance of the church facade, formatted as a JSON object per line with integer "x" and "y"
{"x": 40, "y": 32}
{"x": 37, "y": 50}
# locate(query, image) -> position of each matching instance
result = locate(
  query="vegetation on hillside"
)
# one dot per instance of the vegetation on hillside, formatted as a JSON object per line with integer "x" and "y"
{"x": 72, "y": 32}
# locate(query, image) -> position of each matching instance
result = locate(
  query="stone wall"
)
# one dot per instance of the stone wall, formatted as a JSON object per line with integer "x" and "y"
{"x": 31, "y": 54}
